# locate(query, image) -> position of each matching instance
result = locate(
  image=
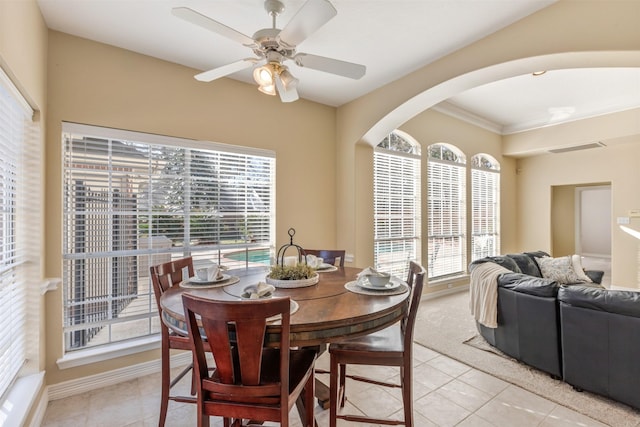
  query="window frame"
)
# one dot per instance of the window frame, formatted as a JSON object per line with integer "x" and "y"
{"x": 441, "y": 227}
{"x": 152, "y": 253}
{"x": 392, "y": 207}
{"x": 485, "y": 229}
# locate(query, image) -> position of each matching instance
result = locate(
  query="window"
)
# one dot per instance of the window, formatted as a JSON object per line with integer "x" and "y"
{"x": 20, "y": 233}
{"x": 132, "y": 200}
{"x": 396, "y": 203}
{"x": 485, "y": 206}
{"x": 446, "y": 211}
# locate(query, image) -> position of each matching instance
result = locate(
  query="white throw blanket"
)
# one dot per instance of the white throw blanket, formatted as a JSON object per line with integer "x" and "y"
{"x": 483, "y": 293}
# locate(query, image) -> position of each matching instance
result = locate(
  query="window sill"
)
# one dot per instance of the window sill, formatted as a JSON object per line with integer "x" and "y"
{"x": 100, "y": 354}
{"x": 20, "y": 398}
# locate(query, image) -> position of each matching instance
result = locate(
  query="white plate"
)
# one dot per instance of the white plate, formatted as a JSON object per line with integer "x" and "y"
{"x": 324, "y": 266}
{"x": 364, "y": 283}
{"x": 196, "y": 280}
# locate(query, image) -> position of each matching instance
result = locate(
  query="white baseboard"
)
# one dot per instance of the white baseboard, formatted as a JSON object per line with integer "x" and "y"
{"x": 116, "y": 376}
{"x": 448, "y": 291}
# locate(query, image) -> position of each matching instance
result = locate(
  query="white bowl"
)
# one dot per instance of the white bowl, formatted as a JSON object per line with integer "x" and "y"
{"x": 379, "y": 280}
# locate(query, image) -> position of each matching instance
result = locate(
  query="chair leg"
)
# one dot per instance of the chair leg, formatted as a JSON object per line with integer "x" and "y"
{"x": 406, "y": 374}
{"x": 309, "y": 393}
{"x": 166, "y": 379}
{"x": 333, "y": 391}
{"x": 202, "y": 418}
{"x": 343, "y": 384}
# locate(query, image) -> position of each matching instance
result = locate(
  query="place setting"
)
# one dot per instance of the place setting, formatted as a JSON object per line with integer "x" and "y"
{"x": 263, "y": 290}
{"x": 319, "y": 265}
{"x": 212, "y": 276}
{"x": 373, "y": 282}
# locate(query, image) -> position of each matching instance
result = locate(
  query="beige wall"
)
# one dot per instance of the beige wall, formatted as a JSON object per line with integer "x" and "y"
{"x": 96, "y": 84}
{"x": 563, "y": 220}
{"x": 617, "y": 164}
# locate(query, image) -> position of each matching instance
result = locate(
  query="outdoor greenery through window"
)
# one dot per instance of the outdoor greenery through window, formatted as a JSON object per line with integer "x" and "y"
{"x": 485, "y": 206}
{"x": 132, "y": 200}
{"x": 396, "y": 204}
{"x": 446, "y": 176}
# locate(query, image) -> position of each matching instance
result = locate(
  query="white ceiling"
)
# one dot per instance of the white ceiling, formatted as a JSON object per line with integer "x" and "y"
{"x": 391, "y": 38}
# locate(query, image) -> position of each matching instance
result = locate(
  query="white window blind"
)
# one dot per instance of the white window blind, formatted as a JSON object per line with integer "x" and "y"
{"x": 485, "y": 207}
{"x": 20, "y": 231}
{"x": 133, "y": 200}
{"x": 446, "y": 212}
{"x": 396, "y": 210}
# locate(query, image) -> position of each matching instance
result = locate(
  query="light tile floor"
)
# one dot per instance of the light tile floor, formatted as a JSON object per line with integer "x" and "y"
{"x": 446, "y": 393}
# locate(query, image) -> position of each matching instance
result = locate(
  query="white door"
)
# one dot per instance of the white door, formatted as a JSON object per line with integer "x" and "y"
{"x": 593, "y": 207}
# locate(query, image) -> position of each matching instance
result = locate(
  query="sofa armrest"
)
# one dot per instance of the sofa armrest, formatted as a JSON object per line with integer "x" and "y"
{"x": 595, "y": 275}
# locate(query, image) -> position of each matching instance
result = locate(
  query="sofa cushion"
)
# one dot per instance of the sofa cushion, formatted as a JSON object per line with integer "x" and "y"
{"x": 526, "y": 264}
{"x": 527, "y": 284}
{"x": 559, "y": 269}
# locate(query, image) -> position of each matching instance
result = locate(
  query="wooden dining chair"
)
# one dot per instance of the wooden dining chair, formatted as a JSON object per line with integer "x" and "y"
{"x": 328, "y": 256}
{"x": 249, "y": 381}
{"x": 389, "y": 347}
{"x": 163, "y": 277}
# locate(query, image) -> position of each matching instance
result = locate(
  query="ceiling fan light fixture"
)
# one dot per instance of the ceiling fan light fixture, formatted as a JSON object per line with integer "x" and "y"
{"x": 264, "y": 75}
{"x": 288, "y": 81}
{"x": 268, "y": 89}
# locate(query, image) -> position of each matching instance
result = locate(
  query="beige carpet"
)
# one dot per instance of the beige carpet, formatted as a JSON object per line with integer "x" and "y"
{"x": 444, "y": 324}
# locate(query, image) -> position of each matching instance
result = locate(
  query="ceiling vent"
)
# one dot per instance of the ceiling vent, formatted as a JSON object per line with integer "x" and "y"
{"x": 578, "y": 147}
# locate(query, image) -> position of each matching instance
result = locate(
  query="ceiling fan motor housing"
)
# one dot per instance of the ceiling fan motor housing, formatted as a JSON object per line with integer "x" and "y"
{"x": 274, "y": 7}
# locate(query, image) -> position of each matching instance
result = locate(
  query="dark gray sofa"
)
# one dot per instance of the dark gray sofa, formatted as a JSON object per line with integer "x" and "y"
{"x": 528, "y": 319}
{"x": 601, "y": 341}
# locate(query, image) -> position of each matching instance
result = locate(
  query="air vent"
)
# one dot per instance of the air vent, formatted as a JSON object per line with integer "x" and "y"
{"x": 578, "y": 147}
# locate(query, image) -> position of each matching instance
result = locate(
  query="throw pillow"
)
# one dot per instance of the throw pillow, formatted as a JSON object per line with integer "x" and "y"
{"x": 576, "y": 261}
{"x": 558, "y": 269}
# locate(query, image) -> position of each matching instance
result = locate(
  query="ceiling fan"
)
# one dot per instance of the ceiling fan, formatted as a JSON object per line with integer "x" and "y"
{"x": 273, "y": 46}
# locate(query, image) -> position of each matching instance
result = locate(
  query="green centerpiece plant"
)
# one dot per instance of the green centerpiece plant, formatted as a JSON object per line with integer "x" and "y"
{"x": 291, "y": 272}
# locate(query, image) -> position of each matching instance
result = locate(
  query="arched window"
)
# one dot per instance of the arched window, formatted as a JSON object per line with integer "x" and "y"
{"x": 396, "y": 195}
{"x": 446, "y": 211}
{"x": 485, "y": 206}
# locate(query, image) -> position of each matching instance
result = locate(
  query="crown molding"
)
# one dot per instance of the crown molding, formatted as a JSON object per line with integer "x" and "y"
{"x": 454, "y": 111}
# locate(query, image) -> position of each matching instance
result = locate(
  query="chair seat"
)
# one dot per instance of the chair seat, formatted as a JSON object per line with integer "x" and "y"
{"x": 385, "y": 343}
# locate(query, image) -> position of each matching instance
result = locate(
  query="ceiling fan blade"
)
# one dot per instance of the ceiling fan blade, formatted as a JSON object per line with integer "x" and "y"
{"x": 330, "y": 65}
{"x": 207, "y": 23}
{"x": 289, "y": 94}
{"x": 225, "y": 70}
{"x": 311, "y": 16}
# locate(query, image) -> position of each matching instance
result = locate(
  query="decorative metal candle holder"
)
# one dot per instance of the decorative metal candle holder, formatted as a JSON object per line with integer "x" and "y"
{"x": 283, "y": 249}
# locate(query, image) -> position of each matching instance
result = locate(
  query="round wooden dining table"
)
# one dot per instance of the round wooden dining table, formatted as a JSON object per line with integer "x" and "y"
{"x": 326, "y": 312}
